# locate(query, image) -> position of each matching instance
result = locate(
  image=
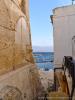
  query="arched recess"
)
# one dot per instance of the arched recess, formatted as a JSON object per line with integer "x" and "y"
{"x": 22, "y": 39}
{"x": 21, "y": 31}
{"x": 22, "y": 35}
{"x": 10, "y": 93}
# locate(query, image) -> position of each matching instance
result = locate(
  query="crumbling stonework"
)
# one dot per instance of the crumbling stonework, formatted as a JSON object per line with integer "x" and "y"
{"x": 17, "y": 67}
{"x": 24, "y": 80}
{"x": 15, "y": 40}
{"x": 10, "y": 93}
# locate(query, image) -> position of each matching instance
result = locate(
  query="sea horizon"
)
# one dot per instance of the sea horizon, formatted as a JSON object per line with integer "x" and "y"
{"x": 42, "y": 48}
{"x": 44, "y": 60}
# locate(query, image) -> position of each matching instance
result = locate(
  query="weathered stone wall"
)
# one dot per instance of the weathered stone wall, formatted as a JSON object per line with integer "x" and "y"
{"x": 20, "y": 84}
{"x": 15, "y": 40}
{"x": 18, "y": 77}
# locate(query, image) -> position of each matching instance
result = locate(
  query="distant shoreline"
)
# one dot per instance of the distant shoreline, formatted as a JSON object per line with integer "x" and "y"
{"x": 44, "y": 60}
{"x": 43, "y": 49}
{"x": 42, "y": 52}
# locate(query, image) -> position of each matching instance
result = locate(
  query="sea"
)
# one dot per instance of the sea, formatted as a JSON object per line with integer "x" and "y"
{"x": 44, "y": 60}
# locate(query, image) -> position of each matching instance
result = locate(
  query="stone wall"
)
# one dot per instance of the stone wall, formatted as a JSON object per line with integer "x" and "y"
{"x": 20, "y": 84}
{"x": 18, "y": 77}
{"x": 15, "y": 40}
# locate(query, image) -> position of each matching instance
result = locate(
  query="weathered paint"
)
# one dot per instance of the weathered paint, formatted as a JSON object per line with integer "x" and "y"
{"x": 63, "y": 32}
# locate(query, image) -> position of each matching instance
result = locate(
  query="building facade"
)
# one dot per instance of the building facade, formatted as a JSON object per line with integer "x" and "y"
{"x": 63, "y": 20}
{"x": 18, "y": 73}
{"x": 63, "y": 32}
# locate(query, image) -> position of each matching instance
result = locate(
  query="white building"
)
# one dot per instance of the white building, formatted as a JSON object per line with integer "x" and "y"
{"x": 64, "y": 30}
{"x": 63, "y": 20}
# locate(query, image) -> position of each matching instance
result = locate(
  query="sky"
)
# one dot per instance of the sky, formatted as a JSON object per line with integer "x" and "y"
{"x": 41, "y": 27}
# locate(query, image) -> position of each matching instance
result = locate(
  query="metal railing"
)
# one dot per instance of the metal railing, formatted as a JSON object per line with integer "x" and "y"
{"x": 69, "y": 64}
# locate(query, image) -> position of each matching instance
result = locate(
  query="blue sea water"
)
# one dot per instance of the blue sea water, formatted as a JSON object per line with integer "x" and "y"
{"x": 44, "y": 60}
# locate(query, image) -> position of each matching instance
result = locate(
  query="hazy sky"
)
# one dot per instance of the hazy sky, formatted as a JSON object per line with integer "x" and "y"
{"x": 41, "y": 28}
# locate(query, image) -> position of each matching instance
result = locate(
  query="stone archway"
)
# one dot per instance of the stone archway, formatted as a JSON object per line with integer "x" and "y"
{"x": 20, "y": 31}
{"x": 10, "y": 93}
